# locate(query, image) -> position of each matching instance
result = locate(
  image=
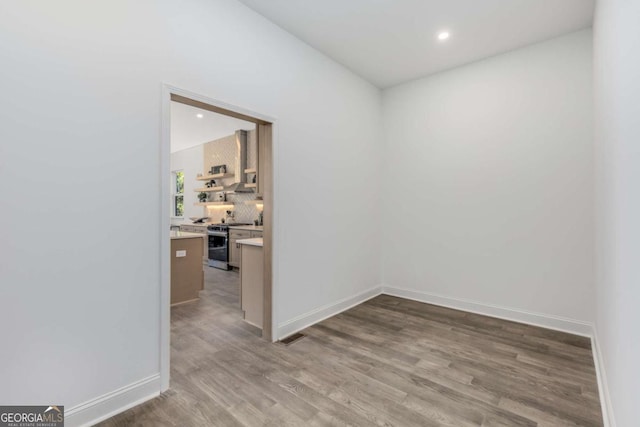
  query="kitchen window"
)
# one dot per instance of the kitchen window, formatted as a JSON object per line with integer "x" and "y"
{"x": 177, "y": 194}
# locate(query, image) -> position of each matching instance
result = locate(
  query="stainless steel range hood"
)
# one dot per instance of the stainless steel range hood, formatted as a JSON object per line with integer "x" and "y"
{"x": 241, "y": 164}
{"x": 238, "y": 187}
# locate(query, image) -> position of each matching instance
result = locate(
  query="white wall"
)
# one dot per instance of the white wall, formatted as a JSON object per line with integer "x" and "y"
{"x": 80, "y": 132}
{"x": 489, "y": 182}
{"x": 617, "y": 90}
{"x": 190, "y": 161}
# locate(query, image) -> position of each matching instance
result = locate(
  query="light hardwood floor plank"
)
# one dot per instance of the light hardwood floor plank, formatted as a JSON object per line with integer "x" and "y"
{"x": 387, "y": 362}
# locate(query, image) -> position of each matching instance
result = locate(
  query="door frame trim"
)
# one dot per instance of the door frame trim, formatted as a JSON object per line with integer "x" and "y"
{"x": 202, "y": 101}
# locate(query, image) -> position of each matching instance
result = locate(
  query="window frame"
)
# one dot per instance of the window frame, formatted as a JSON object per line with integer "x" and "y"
{"x": 175, "y": 194}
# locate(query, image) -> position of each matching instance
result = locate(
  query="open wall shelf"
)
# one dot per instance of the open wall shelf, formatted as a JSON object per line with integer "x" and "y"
{"x": 208, "y": 189}
{"x": 213, "y": 204}
{"x": 216, "y": 176}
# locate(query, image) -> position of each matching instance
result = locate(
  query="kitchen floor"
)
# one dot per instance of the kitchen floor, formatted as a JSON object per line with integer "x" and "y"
{"x": 388, "y": 361}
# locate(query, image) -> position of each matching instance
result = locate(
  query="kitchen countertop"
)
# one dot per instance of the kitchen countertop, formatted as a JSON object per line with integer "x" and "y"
{"x": 256, "y": 241}
{"x": 246, "y": 227}
{"x": 235, "y": 227}
{"x": 185, "y": 235}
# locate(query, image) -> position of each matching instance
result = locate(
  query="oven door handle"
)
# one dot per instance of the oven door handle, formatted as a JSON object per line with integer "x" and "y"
{"x": 217, "y": 233}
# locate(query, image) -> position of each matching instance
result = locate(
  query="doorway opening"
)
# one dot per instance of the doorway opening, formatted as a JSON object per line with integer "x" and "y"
{"x": 217, "y": 176}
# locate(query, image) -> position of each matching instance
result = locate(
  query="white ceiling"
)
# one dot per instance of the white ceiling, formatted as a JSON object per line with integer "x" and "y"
{"x": 393, "y": 41}
{"x": 187, "y": 130}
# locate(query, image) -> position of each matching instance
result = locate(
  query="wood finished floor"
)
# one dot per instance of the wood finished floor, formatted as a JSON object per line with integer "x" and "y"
{"x": 387, "y": 362}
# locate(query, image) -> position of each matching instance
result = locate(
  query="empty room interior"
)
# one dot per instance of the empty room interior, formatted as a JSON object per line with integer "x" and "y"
{"x": 297, "y": 213}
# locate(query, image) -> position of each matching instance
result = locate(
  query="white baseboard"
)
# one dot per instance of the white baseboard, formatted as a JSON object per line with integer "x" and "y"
{"x": 110, "y": 404}
{"x": 312, "y": 317}
{"x": 603, "y": 389}
{"x": 563, "y": 324}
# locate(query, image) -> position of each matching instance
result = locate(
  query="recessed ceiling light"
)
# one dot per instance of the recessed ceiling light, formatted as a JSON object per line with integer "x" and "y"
{"x": 443, "y": 35}
{"x": 199, "y": 115}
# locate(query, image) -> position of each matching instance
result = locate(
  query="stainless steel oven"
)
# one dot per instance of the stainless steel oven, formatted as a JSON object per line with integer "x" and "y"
{"x": 218, "y": 235}
{"x": 218, "y": 246}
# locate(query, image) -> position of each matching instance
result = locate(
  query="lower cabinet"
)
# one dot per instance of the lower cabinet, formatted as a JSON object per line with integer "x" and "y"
{"x": 252, "y": 284}
{"x": 200, "y": 229}
{"x": 187, "y": 276}
{"x": 234, "y": 250}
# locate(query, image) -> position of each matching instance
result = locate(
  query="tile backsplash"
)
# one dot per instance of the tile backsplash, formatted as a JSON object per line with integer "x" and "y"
{"x": 224, "y": 151}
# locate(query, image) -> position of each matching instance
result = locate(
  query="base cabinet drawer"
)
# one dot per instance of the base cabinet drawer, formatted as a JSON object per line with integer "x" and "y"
{"x": 239, "y": 234}
{"x": 193, "y": 229}
{"x": 234, "y": 247}
{"x": 199, "y": 230}
{"x": 234, "y": 253}
{"x": 234, "y": 250}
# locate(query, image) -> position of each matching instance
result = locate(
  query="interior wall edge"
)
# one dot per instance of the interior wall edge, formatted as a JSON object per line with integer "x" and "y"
{"x": 548, "y": 321}
{"x": 114, "y": 402}
{"x": 319, "y": 314}
{"x": 603, "y": 388}
{"x": 577, "y": 327}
